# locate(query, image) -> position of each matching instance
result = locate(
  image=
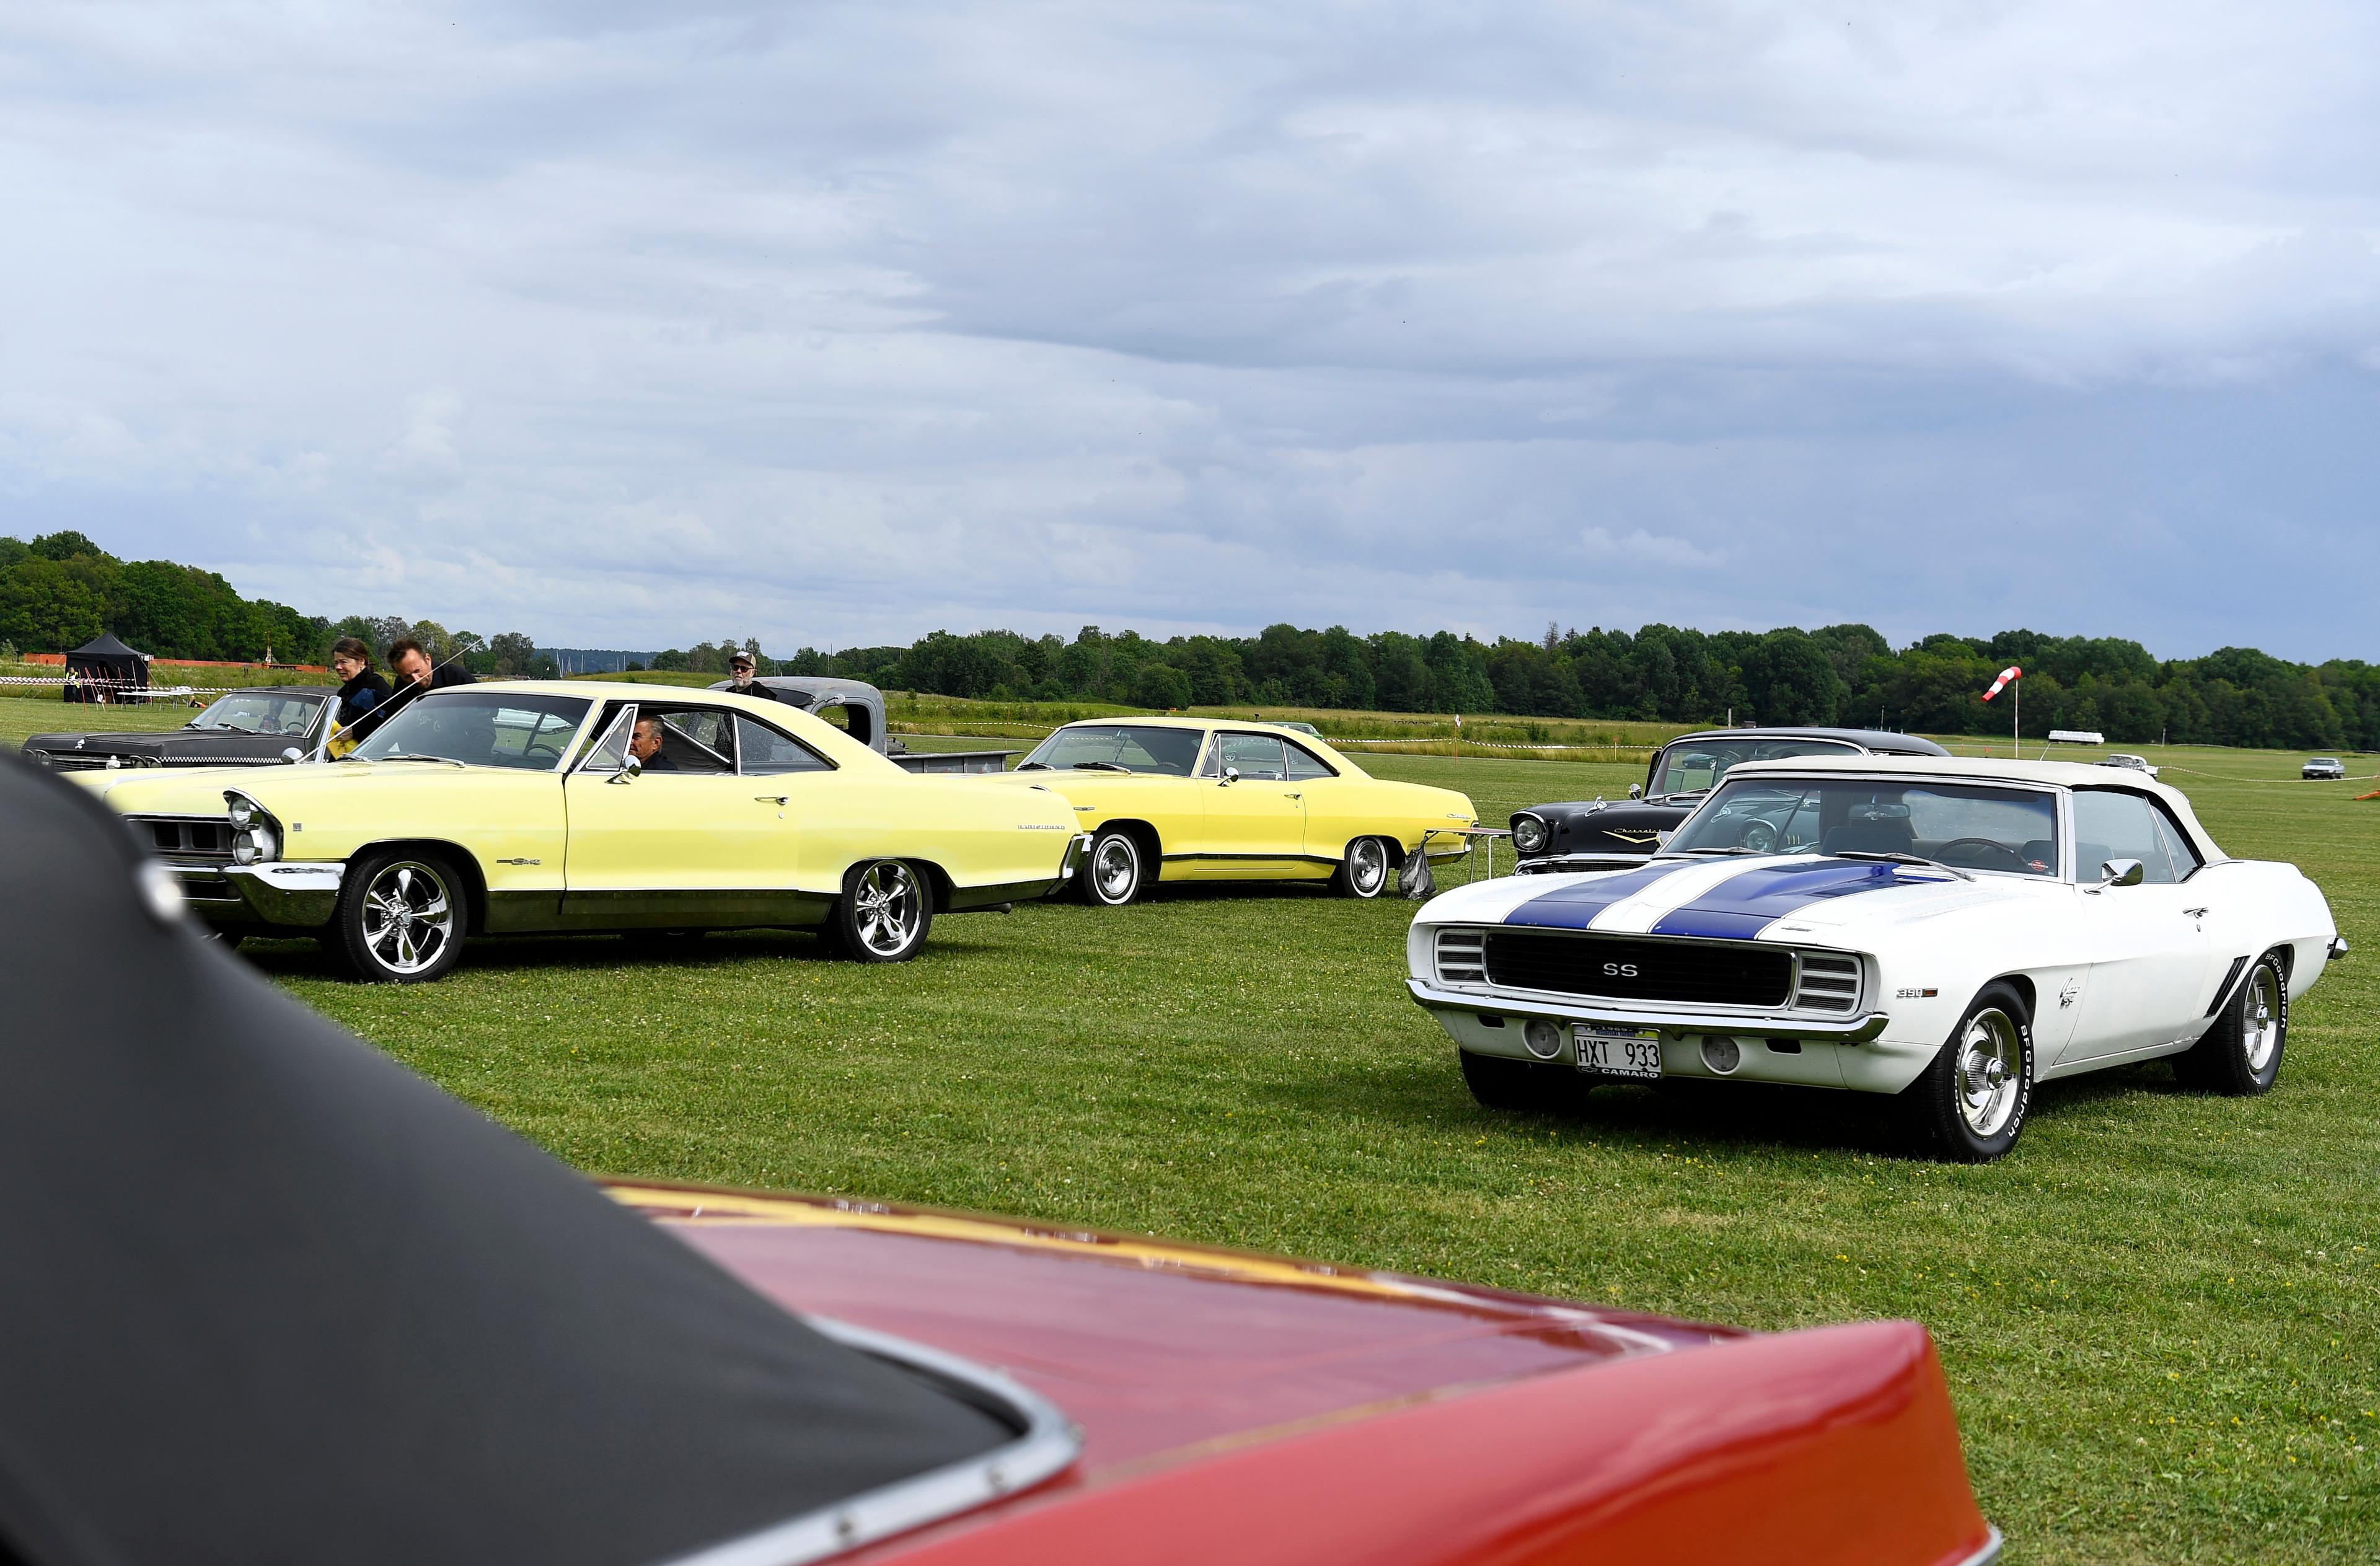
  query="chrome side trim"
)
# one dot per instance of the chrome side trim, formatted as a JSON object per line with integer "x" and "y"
{"x": 1047, "y": 1444}
{"x": 1849, "y": 1030}
{"x": 1077, "y": 851}
{"x": 281, "y": 892}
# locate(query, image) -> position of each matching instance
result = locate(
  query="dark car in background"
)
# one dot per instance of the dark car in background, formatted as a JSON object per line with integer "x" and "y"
{"x": 257, "y": 727}
{"x": 1600, "y": 834}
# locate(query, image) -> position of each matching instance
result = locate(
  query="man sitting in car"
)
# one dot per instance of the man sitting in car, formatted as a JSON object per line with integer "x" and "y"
{"x": 645, "y": 744}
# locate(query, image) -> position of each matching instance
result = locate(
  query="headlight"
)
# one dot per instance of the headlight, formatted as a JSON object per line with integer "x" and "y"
{"x": 255, "y": 835}
{"x": 243, "y": 810}
{"x": 1530, "y": 833}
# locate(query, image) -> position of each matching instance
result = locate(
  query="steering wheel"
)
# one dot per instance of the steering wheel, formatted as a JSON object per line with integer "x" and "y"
{"x": 549, "y": 752}
{"x": 1757, "y": 836}
{"x": 2016, "y": 861}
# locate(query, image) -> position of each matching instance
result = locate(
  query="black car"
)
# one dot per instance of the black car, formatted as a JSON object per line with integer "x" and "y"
{"x": 241, "y": 728}
{"x": 1600, "y": 834}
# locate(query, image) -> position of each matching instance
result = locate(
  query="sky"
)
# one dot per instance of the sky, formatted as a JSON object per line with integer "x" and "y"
{"x": 832, "y": 323}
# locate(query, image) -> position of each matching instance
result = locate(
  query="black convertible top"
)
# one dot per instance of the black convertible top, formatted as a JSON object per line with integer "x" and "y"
{"x": 266, "y": 1296}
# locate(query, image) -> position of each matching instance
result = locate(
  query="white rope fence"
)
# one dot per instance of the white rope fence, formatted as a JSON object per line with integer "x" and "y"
{"x": 122, "y": 696}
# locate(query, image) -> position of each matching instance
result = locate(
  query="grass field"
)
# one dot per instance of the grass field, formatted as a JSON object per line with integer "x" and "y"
{"x": 2161, "y": 1316}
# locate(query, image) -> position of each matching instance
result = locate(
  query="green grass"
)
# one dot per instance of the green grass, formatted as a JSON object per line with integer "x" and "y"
{"x": 2160, "y": 1316}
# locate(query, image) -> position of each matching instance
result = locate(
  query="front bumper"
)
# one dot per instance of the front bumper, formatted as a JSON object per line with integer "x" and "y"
{"x": 1844, "y": 1030}
{"x": 302, "y": 896}
{"x": 1570, "y": 864}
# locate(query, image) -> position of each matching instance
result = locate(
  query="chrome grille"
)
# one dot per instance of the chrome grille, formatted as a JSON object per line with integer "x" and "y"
{"x": 1462, "y": 956}
{"x": 185, "y": 839}
{"x": 1717, "y": 973}
{"x": 1828, "y": 982}
{"x": 72, "y": 760}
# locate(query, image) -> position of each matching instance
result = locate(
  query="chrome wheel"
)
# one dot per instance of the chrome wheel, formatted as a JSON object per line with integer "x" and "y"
{"x": 888, "y": 908}
{"x": 2260, "y": 1018}
{"x": 1991, "y": 1072}
{"x": 408, "y": 916}
{"x": 1115, "y": 868}
{"x": 1368, "y": 867}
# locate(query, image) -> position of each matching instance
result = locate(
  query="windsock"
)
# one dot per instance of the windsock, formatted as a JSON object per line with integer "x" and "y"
{"x": 2010, "y": 673}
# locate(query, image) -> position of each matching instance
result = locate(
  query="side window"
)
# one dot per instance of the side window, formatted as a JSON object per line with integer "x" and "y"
{"x": 2186, "y": 861}
{"x": 1255, "y": 756}
{"x": 610, "y": 752}
{"x": 2108, "y": 825}
{"x": 1305, "y": 764}
{"x": 694, "y": 739}
{"x": 768, "y": 754}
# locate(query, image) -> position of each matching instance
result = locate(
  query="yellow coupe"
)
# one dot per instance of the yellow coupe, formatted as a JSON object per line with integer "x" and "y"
{"x": 535, "y": 807}
{"x": 1184, "y": 799}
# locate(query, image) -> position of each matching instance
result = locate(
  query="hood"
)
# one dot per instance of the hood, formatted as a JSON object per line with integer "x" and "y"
{"x": 1153, "y": 1346}
{"x": 1751, "y": 898}
{"x": 1602, "y": 827}
{"x": 199, "y": 791}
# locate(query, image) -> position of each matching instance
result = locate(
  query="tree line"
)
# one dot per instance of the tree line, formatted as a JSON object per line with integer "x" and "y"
{"x": 61, "y": 590}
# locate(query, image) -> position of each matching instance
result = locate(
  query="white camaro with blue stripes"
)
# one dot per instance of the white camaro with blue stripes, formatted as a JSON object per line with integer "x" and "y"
{"x": 1947, "y": 931}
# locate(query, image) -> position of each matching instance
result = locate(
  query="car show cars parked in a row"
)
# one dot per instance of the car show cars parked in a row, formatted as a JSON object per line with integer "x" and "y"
{"x": 530, "y": 808}
{"x": 1203, "y": 799}
{"x": 1949, "y": 932}
{"x": 261, "y": 726}
{"x": 1598, "y": 834}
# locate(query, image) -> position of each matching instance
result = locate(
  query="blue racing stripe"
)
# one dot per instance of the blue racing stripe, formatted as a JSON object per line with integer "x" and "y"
{"x": 1742, "y": 906}
{"x": 1574, "y": 906}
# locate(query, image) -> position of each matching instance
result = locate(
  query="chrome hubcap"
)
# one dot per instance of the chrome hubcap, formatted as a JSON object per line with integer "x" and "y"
{"x": 888, "y": 906}
{"x": 1368, "y": 865}
{"x": 2260, "y": 1032}
{"x": 408, "y": 917}
{"x": 1116, "y": 872}
{"x": 1991, "y": 1072}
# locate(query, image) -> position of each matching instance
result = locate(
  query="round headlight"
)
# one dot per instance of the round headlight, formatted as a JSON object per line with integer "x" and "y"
{"x": 242, "y": 812}
{"x": 1530, "y": 834}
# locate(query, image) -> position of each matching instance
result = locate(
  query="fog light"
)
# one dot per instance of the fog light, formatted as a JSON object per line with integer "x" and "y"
{"x": 1719, "y": 1054}
{"x": 1543, "y": 1038}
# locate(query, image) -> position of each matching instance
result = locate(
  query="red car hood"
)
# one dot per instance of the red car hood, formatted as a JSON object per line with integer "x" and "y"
{"x": 1247, "y": 1407}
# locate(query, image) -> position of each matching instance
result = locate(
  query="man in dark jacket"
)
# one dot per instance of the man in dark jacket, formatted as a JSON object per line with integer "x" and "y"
{"x": 409, "y": 662}
{"x": 360, "y": 687}
{"x": 741, "y": 683}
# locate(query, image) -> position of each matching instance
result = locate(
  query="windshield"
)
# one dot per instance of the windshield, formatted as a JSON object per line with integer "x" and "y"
{"x": 259, "y": 712}
{"x": 1974, "y": 827}
{"x": 479, "y": 729}
{"x": 1126, "y": 746}
{"x": 1692, "y": 766}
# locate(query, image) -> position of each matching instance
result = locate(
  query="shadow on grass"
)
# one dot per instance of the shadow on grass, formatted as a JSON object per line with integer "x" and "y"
{"x": 566, "y": 953}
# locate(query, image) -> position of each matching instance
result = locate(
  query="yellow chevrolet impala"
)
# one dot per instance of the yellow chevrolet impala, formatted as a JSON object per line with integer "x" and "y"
{"x": 1184, "y": 799}
{"x": 537, "y": 808}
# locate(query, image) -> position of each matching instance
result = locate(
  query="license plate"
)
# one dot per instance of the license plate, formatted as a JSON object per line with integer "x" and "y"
{"x": 1618, "y": 1051}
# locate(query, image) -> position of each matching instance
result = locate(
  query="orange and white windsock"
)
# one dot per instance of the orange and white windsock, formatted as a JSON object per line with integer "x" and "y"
{"x": 2010, "y": 673}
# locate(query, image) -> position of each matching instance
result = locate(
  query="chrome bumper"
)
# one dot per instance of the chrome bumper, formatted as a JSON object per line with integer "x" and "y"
{"x": 1848, "y": 1030}
{"x": 1571, "y": 864}
{"x": 2337, "y": 947}
{"x": 278, "y": 893}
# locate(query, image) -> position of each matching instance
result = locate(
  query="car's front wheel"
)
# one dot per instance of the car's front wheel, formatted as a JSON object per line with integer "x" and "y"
{"x": 1363, "y": 871}
{"x": 1969, "y": 1105}
{"x": 2242, "y": 1053}
{"x": 883, "y": 913}
{"x": 1116, "y": 870}
{"x": 402, "y": 916}
{"x": 1502, "y": 1084}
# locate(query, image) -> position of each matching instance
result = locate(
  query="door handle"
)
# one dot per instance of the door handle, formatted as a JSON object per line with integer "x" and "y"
{"x": 771, "y": 799}
{"x": 2193, "y": 913}
{"x": 1286, "y": 795}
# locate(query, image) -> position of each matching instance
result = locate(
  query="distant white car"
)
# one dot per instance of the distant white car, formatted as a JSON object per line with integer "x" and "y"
{"x": 1949, "y": 932}
{"x": 2324, "y": 767}
{"x": 2129, "y": 762}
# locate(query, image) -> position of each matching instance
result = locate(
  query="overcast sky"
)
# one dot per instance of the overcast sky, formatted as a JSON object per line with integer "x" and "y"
{"x": 636, "y": 325}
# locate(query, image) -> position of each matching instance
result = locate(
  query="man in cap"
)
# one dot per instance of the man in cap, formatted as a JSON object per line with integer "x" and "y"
{"x": 740, "y": 680}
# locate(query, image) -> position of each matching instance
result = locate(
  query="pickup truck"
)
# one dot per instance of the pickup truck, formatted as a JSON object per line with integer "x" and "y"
{"x": 861, "y": 711}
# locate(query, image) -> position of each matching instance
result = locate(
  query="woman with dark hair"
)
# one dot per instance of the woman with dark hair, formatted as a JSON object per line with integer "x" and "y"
{"x": 360, "y": 687}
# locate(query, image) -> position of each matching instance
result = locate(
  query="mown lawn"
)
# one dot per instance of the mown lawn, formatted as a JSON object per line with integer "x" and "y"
{"x": 2161, "y": 1316}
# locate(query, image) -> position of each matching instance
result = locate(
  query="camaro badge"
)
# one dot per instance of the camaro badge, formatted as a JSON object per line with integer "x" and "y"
{"x": 2066, "y": 994}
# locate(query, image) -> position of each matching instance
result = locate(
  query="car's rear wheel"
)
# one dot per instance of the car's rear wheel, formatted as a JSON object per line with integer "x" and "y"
{"x": 1969, "y": 1105}
{"x": 1363, "y": 871}
{"x": 1502, "y": 1084}
{"x": 883, "y": 913}
{"x": 1116, "y": 870}
{"x": 402, "y": 916}
{"x": 2242, "y": 1053}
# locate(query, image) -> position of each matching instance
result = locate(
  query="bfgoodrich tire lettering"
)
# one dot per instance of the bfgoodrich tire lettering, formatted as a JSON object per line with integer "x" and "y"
{"x": 2242, "y": 1053}
{"x": 1970, "y": 1106}
{"x": 402, "y": 916}
{"x": 1115, "y": 870}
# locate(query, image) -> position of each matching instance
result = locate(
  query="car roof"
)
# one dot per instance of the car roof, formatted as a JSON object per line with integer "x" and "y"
{"x": 1984, "y": 769}
{"x": 1884, "y": 740}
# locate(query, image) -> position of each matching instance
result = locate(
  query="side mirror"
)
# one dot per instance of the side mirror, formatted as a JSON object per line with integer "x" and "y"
{"x": 630, "y": 770}
{"x": 1231, "y": 774}
{"x": 292, "y": 755}
{"x": 1636, "y": 791}
{"x": 2121, "y": 872}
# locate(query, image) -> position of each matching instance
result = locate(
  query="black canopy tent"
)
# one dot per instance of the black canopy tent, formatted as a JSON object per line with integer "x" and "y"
{"x": 268, "y": 1296}
{"x": 103, "y": 669}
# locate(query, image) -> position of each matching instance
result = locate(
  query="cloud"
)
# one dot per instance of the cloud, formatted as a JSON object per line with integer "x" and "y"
{"x": 836, "y": 324}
